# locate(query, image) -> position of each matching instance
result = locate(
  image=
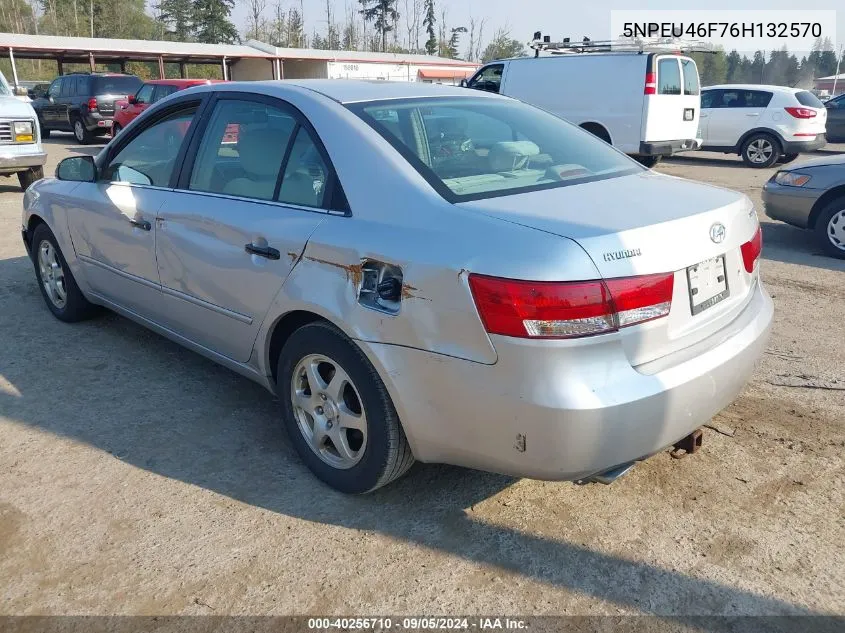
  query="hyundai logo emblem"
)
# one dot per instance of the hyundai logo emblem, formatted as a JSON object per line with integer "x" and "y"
{"x": 717, "y": 233}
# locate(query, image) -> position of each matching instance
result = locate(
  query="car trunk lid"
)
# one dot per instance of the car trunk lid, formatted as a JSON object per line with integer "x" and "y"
{"x": 648, "y": 224}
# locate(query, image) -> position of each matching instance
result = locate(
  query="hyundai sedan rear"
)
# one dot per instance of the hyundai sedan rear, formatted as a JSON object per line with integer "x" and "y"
{"x": 418, "y": 272}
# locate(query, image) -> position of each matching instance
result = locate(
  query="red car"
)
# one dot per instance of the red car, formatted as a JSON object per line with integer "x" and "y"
{"x": 152, "y": 91}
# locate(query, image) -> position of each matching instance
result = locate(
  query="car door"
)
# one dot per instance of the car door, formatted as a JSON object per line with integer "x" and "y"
{"x": 113, "y": 223}
{"x": 733, "y": 116}
{"x": 49, "y": 112}
{"x": 65, "y": 102}
{"x": 836, "y": 118}
{"x": 709, "y": 98}
{"x": 245, "y": 209}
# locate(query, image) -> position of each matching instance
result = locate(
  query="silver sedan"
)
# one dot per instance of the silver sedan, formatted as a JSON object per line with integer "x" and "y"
{"x": 419, "y": 272}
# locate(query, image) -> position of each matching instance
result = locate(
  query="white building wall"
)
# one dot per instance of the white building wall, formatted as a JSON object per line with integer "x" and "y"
{"x": 251, "y": 70}
{"x": 389, "y": 72}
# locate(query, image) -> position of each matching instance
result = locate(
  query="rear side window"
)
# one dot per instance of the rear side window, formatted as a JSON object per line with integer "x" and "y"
{"x": 690, "y": 71}
{"x": 808, "y": 99}
{"x": 81, "y": 86}
{"x": 68, "y": 84}
{"x": 757, "y": 99}
{"x": 668, "y": 77}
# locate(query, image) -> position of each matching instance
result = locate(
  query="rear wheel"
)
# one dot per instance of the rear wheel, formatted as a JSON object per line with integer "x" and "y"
{"x": 115, "y": 130}
{"x": 787, "y": 158}
{"x": 338, "y": 413}
{"x": 760, "y": 150}
{"x": 830, "y": 228}
{"x": 26, "y": 178}
{"x": 82, "y": 135}
{"x": 58, "y": 287}
{"x": 648, "y": 161}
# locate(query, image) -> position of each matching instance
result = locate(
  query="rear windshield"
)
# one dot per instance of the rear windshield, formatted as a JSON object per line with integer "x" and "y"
{"x": 116, "y": 85}
{"x": 668, "y": 76}
{"x": 808, "y": 99}
{"x": 691, "y": 86}
{"x": 470, "y": 148}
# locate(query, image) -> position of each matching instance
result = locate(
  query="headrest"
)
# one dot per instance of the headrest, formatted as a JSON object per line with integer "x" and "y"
{"x": 511, "y": 155}
{"x": 261, "y": 150}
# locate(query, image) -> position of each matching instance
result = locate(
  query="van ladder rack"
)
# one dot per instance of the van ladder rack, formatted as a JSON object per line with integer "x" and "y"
{"x": 542, "y": 43}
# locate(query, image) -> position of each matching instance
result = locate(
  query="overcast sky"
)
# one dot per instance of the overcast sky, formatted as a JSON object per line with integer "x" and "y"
{"x": 560, "y": 18}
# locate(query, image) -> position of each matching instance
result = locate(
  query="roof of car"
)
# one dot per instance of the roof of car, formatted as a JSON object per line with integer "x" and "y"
{"x": 183, "y": 82}
{"x": 753, "y": 87}
{"x": 352, "y": 91}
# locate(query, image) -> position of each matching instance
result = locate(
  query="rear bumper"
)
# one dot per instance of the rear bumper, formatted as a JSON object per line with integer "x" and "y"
{"x": 562, "y": 410}
{"x": 667, "y": 148}
{"x": 792, "y": 205}
{"x": 94, "y": 121}
{"x": 10, "y": 163}
{"x": 799, "y": 147}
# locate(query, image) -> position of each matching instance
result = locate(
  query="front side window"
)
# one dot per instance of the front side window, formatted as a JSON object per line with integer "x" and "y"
{"x": 149, "y": 158}
{"x": 145, "y": 94}
{"x": 668, "y": 77}
{"x": 163, "y": 91}
{"x": 691, "y": 86}
{"x": 242, "y": 149}
{"x": 488, "y": 79}
{"x": 470, "y": 148}
{"x": 710, "y": 99}
{"x": 55, "y": 88}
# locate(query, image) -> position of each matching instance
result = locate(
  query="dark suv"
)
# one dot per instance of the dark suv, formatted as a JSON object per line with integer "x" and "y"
{"x": 83, "y": 103}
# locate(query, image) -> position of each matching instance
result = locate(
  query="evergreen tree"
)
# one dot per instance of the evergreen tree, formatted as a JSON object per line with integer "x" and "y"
{"x": 383, "y": 13}
{"x": 429, "y": 22}
{"x": 176, "y": 16}
{"x": 733, "y": 67}
{"x": 211, "y": 22}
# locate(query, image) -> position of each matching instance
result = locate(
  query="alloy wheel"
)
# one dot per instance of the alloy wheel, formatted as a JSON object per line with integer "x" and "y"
{"x": 78, "y": 130}
{"x": 52, "y": 274}
{"x": 836, "y": 230}
{"x": 759, "y": 151}
{"x": 329, "y": 411}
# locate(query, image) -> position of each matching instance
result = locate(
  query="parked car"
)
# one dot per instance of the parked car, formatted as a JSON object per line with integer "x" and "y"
{"x": 645, "y": 104}
{"x": 544, "y": 307}
{"x": 763, "y": 124}
{"x": 83, "y": 103}
{"x": 149, "y": 93}
{"x": 836, "y": 119}
{"x": 811, "y": 195}
{"x": 21, "y": 152}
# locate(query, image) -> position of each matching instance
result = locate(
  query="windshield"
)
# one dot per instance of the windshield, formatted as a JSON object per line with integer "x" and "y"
{"x": 5, "y": 91}
{"x": 116, "y": 85}
{"x": 470, "y": 148}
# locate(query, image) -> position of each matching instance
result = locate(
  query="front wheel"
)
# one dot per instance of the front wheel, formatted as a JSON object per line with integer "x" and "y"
{"x": 830, "y": 228}
{"x": 760, "y": 151}
{"x": 58, "y": 287}
{"x": 26, "y": 178}
{"x": 338, "y": 413}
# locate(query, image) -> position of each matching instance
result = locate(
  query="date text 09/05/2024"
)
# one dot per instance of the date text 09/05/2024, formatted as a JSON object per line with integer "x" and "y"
{"x": 416, "y": 624}
{"x": 722, "y": 29}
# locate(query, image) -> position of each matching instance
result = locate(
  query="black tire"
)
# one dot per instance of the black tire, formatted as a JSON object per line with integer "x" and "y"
{"x": 45, "y": 131}
{"x": 830, "y": 228}
{"x": 760, "y": 150}
{"x": 115, "y": 130}
{"x": 787, "y": 158}
{"x": 80, "y": 133}
{"x": 26, "y": 178}
{"x": 76, "y": 307}
{"x": 386, "y": 454}
{"x": 648, "y": 161}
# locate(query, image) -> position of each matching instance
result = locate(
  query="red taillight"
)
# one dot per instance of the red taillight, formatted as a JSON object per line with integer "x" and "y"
{"x": 802, "y": 113}
{"x": 650, "y": 84}
{"x": 92, "y": 103}
{"x": 751, "y": 250}
{"x": 543, "y": 309}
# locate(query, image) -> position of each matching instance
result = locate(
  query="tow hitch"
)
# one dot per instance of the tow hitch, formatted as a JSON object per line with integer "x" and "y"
{"x": 690, "y": 444}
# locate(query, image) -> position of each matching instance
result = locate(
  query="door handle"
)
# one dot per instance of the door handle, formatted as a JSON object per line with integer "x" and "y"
{"x": 141, "y": 224}
{"x": 752, "y": 114}
{"x": 703, "y": 116}
{"x": 262, "y": 251}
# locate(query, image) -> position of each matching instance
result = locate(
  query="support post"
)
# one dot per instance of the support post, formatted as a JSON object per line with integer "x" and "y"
{"x": 123, "y": 66}
{"x": 61, "y": 65}
{"x": 161, "y": 67}
{"x": 225, "y": 70}
{"x": 92, "y": 62}
{"x": 14, "y": 68}
{"x": 182, "y": 70}
{"x": 281, "y": 65}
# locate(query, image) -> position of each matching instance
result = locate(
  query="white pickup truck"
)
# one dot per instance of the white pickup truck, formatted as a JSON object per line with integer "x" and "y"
{"x": 20, "y": 138}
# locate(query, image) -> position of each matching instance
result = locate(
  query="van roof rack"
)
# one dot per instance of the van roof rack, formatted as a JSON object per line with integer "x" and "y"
{"x": 543, "y": 43}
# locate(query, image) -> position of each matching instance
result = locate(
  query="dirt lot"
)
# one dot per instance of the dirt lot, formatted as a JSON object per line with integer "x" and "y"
{"x": 138, "y": 478}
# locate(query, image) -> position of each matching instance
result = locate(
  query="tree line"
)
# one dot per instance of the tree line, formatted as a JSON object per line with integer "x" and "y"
{"x": 779, "y": 67}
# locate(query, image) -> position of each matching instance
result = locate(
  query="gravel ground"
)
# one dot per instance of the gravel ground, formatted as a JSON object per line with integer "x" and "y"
{"x": 138, "y": 478}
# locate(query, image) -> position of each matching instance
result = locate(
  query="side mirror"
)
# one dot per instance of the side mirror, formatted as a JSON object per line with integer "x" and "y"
{"x": 77, "y": 169}
{"x": 131, "y": 99}
{"x": 464, "y": 83}
{"x": 21, "y": 91}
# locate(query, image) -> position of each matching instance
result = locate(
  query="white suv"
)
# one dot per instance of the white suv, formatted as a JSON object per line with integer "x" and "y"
{"x": 763, "y": 124}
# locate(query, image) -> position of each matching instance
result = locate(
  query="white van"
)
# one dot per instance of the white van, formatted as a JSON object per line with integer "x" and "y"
{"x": 644, "y": 103}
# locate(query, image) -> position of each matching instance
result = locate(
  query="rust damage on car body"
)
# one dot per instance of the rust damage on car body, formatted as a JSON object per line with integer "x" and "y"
{"x": 408, "y": 292}
{"x": 354, "y": 272}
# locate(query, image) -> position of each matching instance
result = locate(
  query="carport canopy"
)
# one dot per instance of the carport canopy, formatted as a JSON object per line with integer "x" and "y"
{"x": 96, "y": 50}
